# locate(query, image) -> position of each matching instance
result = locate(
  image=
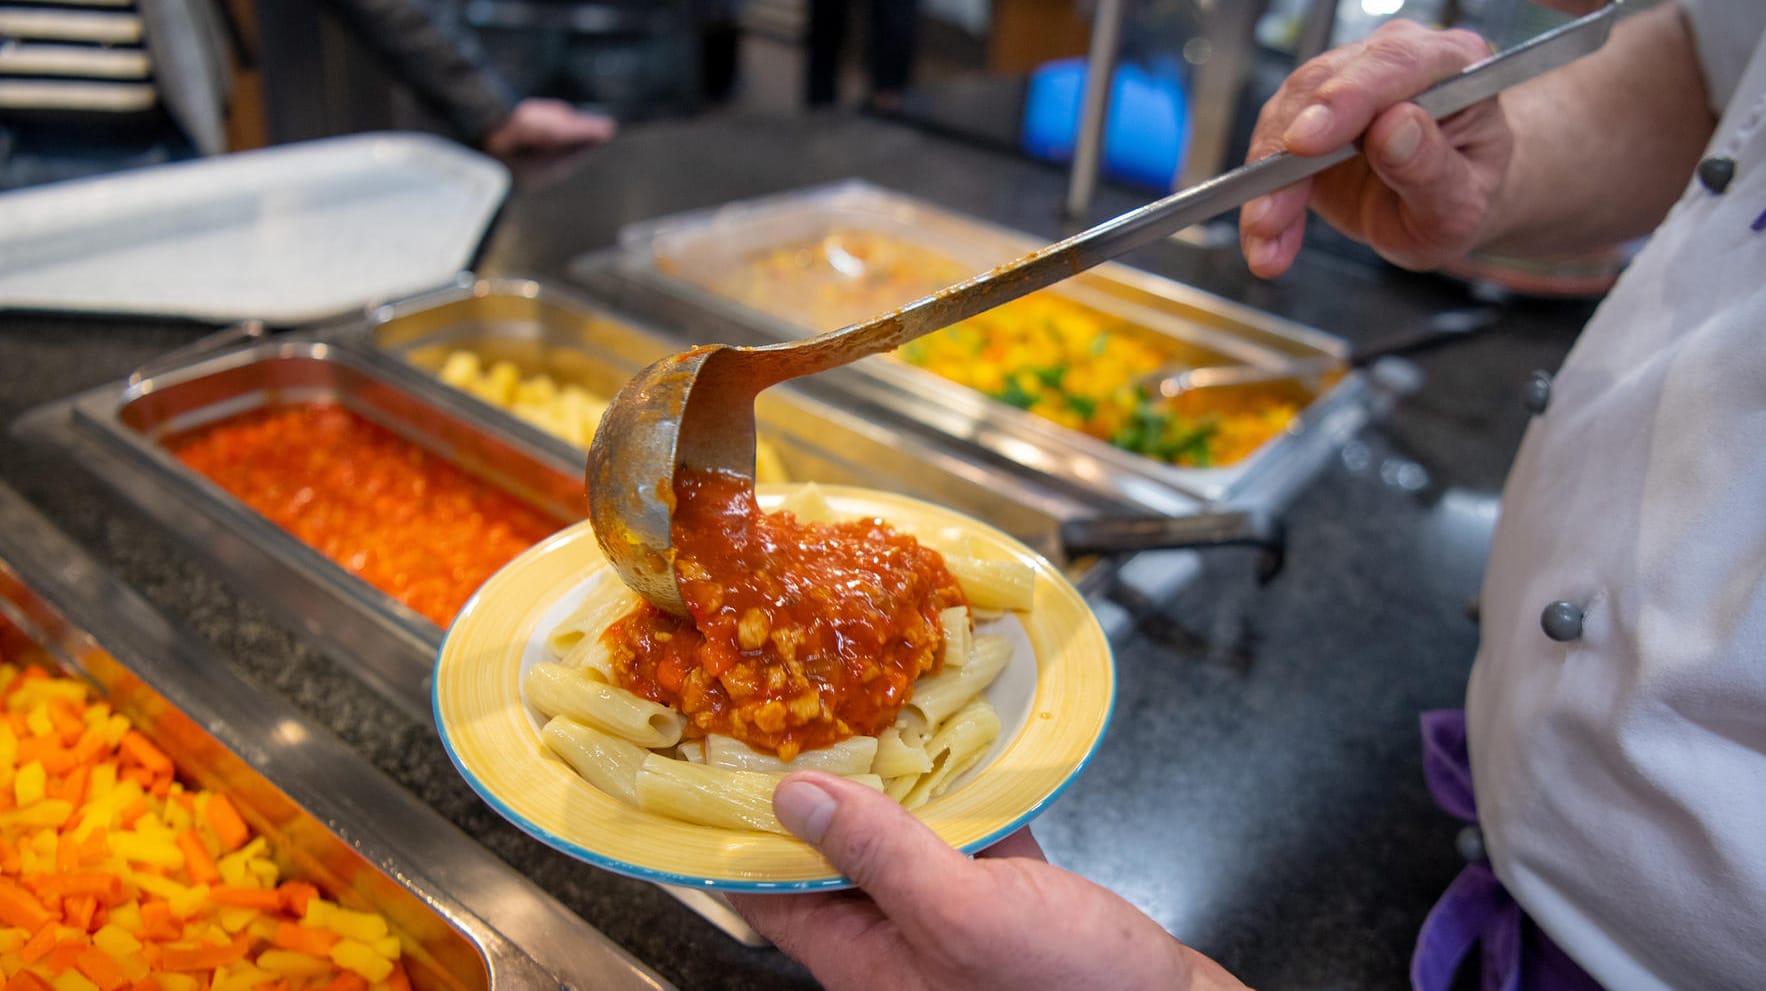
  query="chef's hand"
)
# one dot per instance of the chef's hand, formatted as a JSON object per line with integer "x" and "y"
{"x": 539, "y": 124}
{"x": 1421, "y": 192}
{"x": 928, "y": 917}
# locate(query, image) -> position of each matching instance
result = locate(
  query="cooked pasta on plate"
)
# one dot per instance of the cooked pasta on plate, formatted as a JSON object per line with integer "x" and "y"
{"x": 861, "y": 633}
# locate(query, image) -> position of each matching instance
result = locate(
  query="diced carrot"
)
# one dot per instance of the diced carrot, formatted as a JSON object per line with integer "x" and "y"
{"x": 91, "y": 884}
{"x": 39, "y": 945}
{"x": 68, "y": 724}
{"x": 398, "y": 980}
{"x": 228, "y": 827}
{"x": 158, "y": 922}
{"x": 24, "y": 980}
{"x": 295, "y": 894}
{"x": 132, "y": 811}
{"x": 73, "y": 787}
{"x": 66, "y": 952}
{"x": 197, "y": 861}
{"x": 78, "y": 910}
{"x": 161, "y": 786}
{"x": 9, "y": 862}
{"x": 67, "y": 855}
{"x": 96, "y": 848}
{"x": 304, "y": 939}
{"x": 346, "y": 981}
{"x": 207, "y": 957}
{"x": 46, "y": 750}
{"x": 263, "y": 899}
{"x": 101, "y": 969}
{"x": 90, "y": 746}
{"x": 20, "y": 908}
{"x": 141, "y": 750}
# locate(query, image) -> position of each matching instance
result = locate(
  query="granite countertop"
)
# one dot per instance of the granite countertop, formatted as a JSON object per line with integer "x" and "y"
{"x": 1260, "y": 790}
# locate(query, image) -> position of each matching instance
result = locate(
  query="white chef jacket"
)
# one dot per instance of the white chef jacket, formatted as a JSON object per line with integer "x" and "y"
{"x": 1621, "y": 775}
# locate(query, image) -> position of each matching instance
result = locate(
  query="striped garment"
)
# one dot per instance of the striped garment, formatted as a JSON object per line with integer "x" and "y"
{"x": 73, "y": 58}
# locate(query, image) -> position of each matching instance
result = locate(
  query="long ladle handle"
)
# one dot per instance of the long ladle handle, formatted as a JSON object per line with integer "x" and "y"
{"x": 1046, "y": 266}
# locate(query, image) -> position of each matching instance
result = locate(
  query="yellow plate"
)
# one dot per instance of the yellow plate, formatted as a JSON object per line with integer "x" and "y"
{"x": 1054, "y": 702}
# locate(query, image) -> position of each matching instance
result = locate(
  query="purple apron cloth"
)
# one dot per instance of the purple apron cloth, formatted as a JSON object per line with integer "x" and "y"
{"x": 1476, "y": 910}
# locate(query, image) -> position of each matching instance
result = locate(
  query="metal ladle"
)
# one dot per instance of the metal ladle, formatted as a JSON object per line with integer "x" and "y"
{"x": 696, "y": 409}
{"x": 1440, "y": 329}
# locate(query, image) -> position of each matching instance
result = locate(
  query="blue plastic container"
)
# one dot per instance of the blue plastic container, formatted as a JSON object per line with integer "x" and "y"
{"x": 1145, "y": 133}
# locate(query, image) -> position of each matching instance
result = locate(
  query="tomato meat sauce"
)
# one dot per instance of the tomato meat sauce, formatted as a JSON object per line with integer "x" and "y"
{"x": 400, "y": 518}
{"x": 802, "y": 634}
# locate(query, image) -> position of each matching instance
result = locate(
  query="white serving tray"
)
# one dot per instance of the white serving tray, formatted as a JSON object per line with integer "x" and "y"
{"x": 286, "y": 235}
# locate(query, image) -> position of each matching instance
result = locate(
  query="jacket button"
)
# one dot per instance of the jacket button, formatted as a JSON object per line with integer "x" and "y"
{"x": 1538, "y": 395}
{"x": 1562, "y": 621}
{"x": 1470, "y": 844}
{"x": 1715, "y": 173}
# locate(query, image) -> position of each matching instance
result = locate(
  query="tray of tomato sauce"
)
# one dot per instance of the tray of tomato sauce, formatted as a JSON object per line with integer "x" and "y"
{"x": 391, "y": 513}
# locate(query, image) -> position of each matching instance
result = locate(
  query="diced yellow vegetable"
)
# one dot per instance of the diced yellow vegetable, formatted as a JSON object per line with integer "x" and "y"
{"x": 115, "y": 940}
{"x": 386, "y": 946}
{"x": 27, "y": 786}
{"x": 288, "y": 963}
{"x": 142, "y": 847}
{"x": 359, "y": 926}
{"x": 72, "y": 980}
{"x": 48, "y": 812}
{"x": 38, "y": 722}
{"x": 359, "y": 957}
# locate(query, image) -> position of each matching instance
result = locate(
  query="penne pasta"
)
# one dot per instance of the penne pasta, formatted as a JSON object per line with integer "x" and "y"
{"x": 715, "y": 796}
{"x": 951, "y": 541}
{"x": 590, "y": 656}
{"x": 808, "y": 504}
{"x": 957, "y": 636}
{"x": 954, "y": 749}
{"x": 913, "y": 727}
{"x": 589, "y": 621}
{"x": 898, "y": 788}
{"x": 691, "y": 751}
{"x": 936, "y": 697}
{"x": 896, "y": 756}
{"x": 608, "y": 762}
{"x": 556, "y": 690}
{"x": 709, "y": 796}
{"x": 853, "y": 755}
{"x": 991, "y": 584}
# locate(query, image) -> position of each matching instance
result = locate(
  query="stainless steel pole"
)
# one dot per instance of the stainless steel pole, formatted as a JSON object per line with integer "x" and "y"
{"x": 1088, "y": 146}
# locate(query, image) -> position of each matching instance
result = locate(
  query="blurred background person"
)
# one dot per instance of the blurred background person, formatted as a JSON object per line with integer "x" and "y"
{"x": 891, "y": 43}
{"x": 86, "y": 90}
